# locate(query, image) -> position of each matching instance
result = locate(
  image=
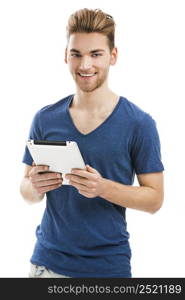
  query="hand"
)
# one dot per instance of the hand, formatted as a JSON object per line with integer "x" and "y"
{"x": 89, "y": 182}
{"x": 43, "y": 181}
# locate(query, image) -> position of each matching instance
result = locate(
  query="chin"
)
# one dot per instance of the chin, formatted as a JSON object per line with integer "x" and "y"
{"x": 90, "y": 89}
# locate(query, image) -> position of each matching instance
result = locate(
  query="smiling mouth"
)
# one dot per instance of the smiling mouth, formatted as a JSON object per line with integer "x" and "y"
{"x": 86, "y": 76}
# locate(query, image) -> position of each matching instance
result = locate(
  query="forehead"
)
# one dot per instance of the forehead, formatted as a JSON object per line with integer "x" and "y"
{"x": 85, "y": 42}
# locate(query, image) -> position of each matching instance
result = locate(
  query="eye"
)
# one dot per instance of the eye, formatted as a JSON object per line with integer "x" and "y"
{"x": 75, "y": 55}
{"x": 96, "y": 54}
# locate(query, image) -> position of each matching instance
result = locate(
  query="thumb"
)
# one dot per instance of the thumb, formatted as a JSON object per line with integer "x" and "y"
{"x": 91, "y": 170}
{"x": 33, "y": 164}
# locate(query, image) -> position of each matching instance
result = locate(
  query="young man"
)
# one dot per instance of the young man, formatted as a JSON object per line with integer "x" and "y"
{"x": 83, "y": 232}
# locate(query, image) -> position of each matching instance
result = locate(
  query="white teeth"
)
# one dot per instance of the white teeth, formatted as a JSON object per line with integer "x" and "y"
{"x": 87, "y": 75}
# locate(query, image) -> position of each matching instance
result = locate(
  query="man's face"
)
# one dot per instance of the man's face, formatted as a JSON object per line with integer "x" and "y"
{"x": 88, "y": 57}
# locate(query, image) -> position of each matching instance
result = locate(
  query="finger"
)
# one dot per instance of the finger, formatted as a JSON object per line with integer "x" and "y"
{"x": 88, "y": 195}
{"x": 45, "y": 176}
{"x": 78, "y": 179}
{"x": 44, "y": 183}
{"x": 48, "y": 188}
{"x": 83, "y": 181}
{"x": 83, "y": 173}
{"x": 79, "y": 186}
{"x": 37, "y": 169}
{"x": 91, "y": 170}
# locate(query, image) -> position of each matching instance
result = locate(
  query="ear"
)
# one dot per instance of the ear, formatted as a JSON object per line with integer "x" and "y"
{"x": 114, "y": 56}
{"x": 65, "y": 57}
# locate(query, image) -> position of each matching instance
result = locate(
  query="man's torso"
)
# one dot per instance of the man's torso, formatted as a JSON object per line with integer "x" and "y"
{"x": 81, "y": 237}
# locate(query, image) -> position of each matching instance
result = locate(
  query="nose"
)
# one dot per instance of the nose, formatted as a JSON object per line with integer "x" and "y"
{"x": 85, "y": 63}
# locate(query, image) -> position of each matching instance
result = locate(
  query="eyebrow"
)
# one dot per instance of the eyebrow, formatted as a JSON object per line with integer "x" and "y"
{"x": 92, "y": 51}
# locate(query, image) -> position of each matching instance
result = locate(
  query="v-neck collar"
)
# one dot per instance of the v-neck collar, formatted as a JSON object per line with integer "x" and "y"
{"x": 98, "y": 127}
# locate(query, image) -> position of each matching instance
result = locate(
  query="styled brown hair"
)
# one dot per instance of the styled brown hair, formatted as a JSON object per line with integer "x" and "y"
{"x": 89, "y": 20}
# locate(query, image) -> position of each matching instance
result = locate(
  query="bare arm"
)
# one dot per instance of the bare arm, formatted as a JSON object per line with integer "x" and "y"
{"x": 34, "y": 184}
{"x": 146, "y": 197}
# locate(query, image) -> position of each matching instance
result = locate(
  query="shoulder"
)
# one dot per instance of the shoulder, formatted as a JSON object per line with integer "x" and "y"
{"x": 135, "y": 113}
{"x": 55, "y": 107}
{"x": 49, "y": 111}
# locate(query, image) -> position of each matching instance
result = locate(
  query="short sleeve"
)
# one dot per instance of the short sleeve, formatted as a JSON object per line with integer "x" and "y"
{"x": 34, "y": 133}
{"x": 146, "y": 148}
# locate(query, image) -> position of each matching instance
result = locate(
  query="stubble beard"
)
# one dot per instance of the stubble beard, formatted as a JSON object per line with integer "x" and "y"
{"x": 92, "y": 87}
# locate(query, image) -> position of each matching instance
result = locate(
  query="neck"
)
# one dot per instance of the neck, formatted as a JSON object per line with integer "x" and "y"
{"x": 100, "y": 99}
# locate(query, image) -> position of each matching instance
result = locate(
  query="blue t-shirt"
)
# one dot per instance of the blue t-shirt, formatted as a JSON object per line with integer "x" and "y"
{"x": 88, "y": 237}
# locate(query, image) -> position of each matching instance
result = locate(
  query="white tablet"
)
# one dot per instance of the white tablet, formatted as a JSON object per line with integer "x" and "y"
{"x": 60, "y": 156}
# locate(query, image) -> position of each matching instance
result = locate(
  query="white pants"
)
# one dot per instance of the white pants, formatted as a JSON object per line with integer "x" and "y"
{"x": 43, "y": 272}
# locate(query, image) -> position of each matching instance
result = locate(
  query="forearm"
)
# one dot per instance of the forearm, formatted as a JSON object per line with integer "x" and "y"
{"x": 136, "y": 197}
{"x": 29, "y": 194}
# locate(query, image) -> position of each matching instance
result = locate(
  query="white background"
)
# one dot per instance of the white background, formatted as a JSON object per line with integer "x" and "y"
{"x": 150, "y": 72}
